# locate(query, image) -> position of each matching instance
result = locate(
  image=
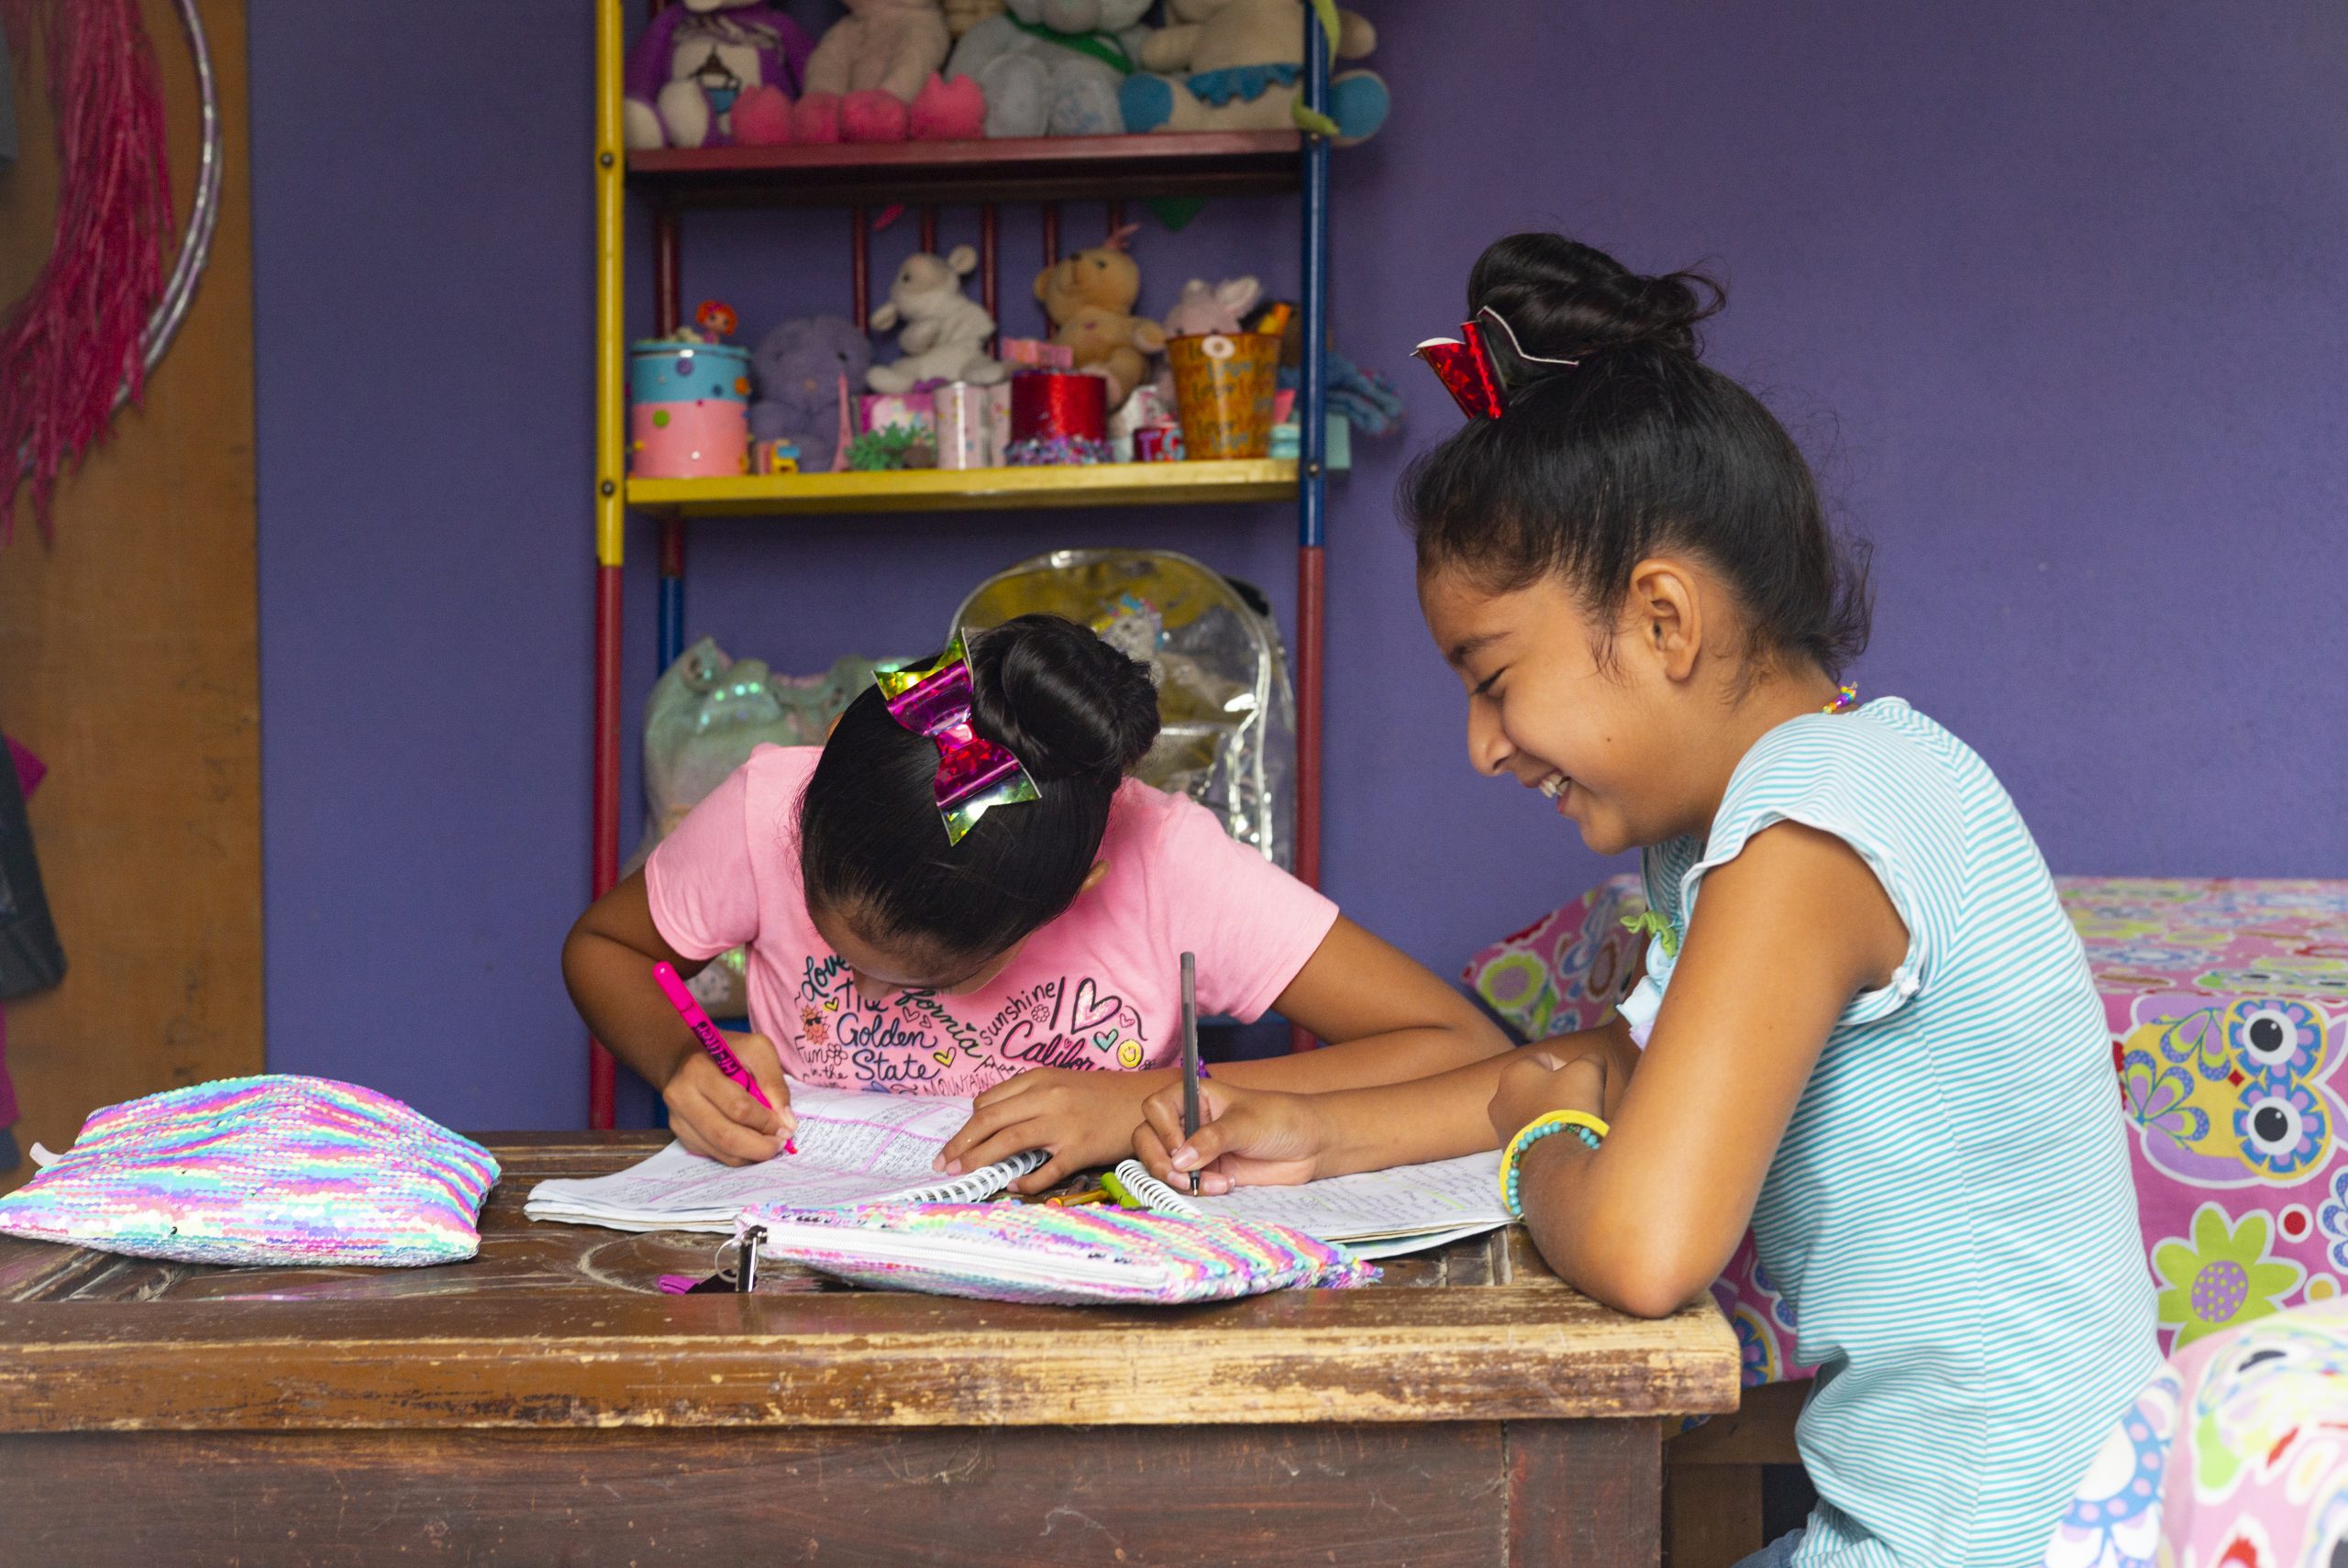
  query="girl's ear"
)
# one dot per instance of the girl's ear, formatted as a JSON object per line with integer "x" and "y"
{"x": 1664, "y": 612}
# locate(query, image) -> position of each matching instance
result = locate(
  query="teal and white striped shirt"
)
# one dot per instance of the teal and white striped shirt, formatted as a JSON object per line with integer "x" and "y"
{"x": 1950, "y": 1214}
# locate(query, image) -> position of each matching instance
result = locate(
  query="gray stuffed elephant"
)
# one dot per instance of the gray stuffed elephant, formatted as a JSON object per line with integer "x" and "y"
{"x": 1053, "y": 67}
{"x": 801, "y": 365}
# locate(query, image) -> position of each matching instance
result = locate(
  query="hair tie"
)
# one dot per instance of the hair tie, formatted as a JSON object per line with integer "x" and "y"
{"x": 1488, "y": 367}
{"x": 974, "y": 774}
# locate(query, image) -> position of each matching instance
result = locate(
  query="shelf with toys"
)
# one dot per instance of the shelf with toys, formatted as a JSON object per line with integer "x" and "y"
{"x": 969, "y": 489}
{"x": 697, "y": 116}
{"x": 1023, "y": 169}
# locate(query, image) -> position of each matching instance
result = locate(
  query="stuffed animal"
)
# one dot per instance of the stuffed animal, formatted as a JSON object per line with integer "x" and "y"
{"x": 807, "y": 370}
{"x": 707, "y": 72}
{"x": 1053, "y": 67}
{"x": 1090, "y": 298}
{"x": 872, "y": 64}
{"x": 1235, "y": 65}
{"x": 1206, "y": 307}
{"x": 945, "y": 331}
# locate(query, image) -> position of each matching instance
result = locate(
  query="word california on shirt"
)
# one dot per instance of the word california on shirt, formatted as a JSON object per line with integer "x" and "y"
{"x": 1099, "y": 988}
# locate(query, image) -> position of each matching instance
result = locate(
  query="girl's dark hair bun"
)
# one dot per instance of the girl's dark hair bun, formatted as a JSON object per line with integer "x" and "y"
{"x": 1565, "y": 300}
{"x": 1067, "y": 704}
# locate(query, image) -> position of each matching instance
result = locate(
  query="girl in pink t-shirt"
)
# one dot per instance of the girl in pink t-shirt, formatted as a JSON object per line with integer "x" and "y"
{"x": 1035, "y": 962}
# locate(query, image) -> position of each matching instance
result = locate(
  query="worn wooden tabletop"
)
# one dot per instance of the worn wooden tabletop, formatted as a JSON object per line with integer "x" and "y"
{"x": 557, "y": 1329}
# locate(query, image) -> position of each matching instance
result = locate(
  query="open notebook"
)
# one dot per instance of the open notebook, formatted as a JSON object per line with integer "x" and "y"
{"x": 853, "y": 1148}
{"x": 1375, "y": 1213}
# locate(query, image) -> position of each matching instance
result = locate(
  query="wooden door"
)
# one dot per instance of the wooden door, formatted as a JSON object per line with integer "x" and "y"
{"x": 129, "y": 662}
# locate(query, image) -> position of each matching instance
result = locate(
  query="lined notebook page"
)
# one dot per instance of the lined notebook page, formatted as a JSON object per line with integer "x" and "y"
{"x": 853, "y": 1148}
{"x": 1459, "y": 1196}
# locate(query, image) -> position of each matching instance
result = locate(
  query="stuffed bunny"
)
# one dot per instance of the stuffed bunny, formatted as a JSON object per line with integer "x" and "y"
{"x": 1203, "y": 308}
{"x": 945, "y": 331}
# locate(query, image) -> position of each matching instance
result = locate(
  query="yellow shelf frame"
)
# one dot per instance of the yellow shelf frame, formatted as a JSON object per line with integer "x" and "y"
{"x": 966, "y": 490}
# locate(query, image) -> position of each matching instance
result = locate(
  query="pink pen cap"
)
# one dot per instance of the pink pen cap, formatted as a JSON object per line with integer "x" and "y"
{"x": 672, "y": 986}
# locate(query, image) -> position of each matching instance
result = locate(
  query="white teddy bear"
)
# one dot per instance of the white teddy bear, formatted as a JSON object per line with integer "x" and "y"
{"x": 945, "y": 331}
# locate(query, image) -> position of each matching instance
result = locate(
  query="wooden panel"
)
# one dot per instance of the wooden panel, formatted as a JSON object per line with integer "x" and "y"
{"x": 1584, "y": 1494}
{"x": 1425, "y": 1496}
{"x": 587, "y": 1358}
{"x": 1760, "y": 1431}
{"x": 129, "y": 653}
{"x": 1712, "y": 1515}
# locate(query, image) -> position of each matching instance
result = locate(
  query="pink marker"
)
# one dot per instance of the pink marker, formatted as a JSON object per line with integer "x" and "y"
{"x": 672, "y": 986}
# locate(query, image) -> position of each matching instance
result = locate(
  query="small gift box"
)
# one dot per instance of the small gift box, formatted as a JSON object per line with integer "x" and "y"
{"x": 965, "y": 426}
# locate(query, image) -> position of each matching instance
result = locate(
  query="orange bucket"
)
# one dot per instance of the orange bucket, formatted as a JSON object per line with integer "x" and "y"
{"x": 1223, "y": 383}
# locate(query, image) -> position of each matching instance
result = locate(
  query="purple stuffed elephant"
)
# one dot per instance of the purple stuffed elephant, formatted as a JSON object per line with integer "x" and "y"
{"x": 712, "y": 72}
{"x": 802, "y": 367}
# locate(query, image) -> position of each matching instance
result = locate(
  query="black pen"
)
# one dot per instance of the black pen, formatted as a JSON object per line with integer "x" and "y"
{"x": 1190, "y": 1054}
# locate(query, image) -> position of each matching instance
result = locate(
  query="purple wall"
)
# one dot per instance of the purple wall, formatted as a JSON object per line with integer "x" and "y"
{"x": 2054, "y": 296}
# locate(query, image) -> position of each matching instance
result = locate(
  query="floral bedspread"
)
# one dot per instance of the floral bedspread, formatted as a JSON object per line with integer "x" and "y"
{"x": 2228, "y": 1000}
{"x": 2235, "y": 1457}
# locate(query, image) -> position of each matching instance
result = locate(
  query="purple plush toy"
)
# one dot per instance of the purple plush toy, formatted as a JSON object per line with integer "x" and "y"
{"x": 712, "y": 72}
{"x": 801, "y": 367}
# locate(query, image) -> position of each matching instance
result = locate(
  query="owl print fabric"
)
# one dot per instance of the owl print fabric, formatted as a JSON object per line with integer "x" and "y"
{"x": 2227, "y": 1001}
{"x": 1099, "y": 989}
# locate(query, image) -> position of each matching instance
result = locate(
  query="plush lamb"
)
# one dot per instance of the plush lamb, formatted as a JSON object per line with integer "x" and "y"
{"x": 945, "y": 331}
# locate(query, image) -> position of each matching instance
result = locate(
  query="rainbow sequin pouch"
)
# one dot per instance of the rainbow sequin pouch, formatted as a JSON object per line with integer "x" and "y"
{"x": 1035, "y": 1252}
{"x": 276, "y": 1169}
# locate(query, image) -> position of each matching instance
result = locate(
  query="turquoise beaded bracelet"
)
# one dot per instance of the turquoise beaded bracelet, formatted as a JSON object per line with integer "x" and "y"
{"x": 1581, "y": 1123}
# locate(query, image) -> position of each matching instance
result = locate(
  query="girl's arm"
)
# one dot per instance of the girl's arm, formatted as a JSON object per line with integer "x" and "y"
{"x": 1784, "y": 936}
{"x": 1253, "y": 1137}
{"x": 1392, "y": 1019}
{"x": 608, "y": 964}
{"x": 1387, "y": 1017}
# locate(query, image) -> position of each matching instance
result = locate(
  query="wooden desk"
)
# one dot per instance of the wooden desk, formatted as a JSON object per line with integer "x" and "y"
{"x": 545, "y": 1403}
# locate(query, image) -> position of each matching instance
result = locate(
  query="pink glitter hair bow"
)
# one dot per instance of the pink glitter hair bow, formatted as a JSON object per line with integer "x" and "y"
{"x": 1485, "y": 364}
{"x": 974, "y": 774}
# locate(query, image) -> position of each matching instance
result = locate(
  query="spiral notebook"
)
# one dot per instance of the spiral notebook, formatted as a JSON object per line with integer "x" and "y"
{"x": 853, "y": 1148}
{"x": 1374, "y": 1213}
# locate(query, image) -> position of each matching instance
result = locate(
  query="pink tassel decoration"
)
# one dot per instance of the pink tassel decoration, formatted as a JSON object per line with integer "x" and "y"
{"x": 67, "y": 348}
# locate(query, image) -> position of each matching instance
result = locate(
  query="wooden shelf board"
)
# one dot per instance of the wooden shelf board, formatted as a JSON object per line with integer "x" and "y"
{"x": 969, "y": 489}
{"x": 1037, "y": 169}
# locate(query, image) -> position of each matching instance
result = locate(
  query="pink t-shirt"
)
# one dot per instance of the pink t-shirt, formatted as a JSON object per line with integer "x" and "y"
{"x": 1100, "y": 987}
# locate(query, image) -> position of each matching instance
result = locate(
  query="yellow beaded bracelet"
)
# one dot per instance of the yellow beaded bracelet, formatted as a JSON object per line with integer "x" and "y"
{"x": 1581, "y": 1123}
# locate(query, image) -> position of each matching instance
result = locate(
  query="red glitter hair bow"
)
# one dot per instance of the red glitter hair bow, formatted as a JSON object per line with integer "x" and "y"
{"x": 974, "y": 774}
{"x": 1482, "y": 371}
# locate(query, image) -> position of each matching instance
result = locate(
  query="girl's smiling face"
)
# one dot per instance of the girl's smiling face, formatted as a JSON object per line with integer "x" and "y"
{"x": 1597, "y": 739}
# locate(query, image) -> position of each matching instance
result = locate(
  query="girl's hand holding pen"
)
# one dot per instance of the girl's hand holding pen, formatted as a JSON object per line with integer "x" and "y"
{"x": 1245, "y": 1138}
{"x": 712, "y": 1115}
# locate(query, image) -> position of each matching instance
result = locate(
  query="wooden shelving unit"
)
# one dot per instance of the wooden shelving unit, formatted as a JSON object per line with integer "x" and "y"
{"x": 858, "y": 178}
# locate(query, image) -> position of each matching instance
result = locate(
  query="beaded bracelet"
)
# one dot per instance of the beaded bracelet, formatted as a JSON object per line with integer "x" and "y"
{"x": 1581, "y": 1123}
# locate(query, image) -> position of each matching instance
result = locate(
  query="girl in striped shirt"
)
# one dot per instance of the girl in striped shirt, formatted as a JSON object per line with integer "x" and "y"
{"x": 1865, "y": 1029}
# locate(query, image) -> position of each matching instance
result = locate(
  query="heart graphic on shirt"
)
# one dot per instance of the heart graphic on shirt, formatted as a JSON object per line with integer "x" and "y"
{"x": 832, "y": 1005}
{"x": 1103, "y": 1040}
{"x": 943, "y": 1058}
{"x": 1093, "y": 1012}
